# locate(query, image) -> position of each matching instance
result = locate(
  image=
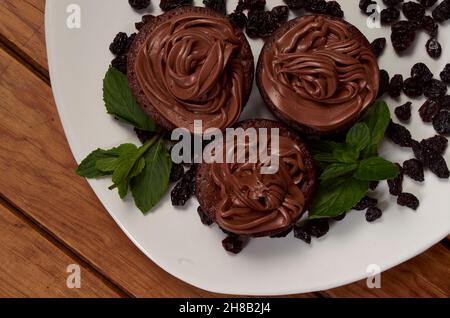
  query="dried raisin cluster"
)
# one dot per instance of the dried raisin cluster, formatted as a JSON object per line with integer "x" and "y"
{"x": 139, "y": 4}
{"x": 120, "y": 47}
{"x": 311, "y": 228}
{"x": 404, "y": 31}
{"x": 184, "y": 189}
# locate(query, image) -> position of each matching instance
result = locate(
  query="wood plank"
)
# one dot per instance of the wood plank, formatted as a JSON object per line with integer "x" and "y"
{"x": 32, "y": 266}
{"x": 22, "y": 25}
{"x": 427, "y": 275}
{"x": 42, "y": 183}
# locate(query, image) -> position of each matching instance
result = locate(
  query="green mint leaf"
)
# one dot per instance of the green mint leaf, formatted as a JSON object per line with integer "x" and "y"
{"x": 336, "y": 197}
{"x": 124, "y": 164}
{"x": 376, "y": 169}
{"x": 88, "y": 167}
{"x": 325, "y": 158}
{"x": 358, "y": 136}
{"x": 153, "y": 182}
{"x": 338, "y": 169}
{"x": 377, "y": 119}
{"x": 346, "y": 155}
{"x": 107, "y": 164}
{"x": 120, "y": 103}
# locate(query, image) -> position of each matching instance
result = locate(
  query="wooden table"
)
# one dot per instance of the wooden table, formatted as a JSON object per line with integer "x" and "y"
{"x": 50, "y": 218}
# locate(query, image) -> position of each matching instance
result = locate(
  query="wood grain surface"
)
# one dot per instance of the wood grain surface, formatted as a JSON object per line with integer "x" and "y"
{"x": 50, "y": 218}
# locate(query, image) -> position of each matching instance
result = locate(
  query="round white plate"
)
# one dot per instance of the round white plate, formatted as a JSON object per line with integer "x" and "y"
{"x": 174, "y": 238}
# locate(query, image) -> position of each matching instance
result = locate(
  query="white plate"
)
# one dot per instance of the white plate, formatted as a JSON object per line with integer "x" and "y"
{"x": 174, "y": 238}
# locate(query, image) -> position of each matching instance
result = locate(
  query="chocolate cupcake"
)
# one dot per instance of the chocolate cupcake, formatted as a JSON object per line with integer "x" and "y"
{"x": 318, "y": 74}
{"x": 245, "y": 200}
{"x": 191, "y": 64}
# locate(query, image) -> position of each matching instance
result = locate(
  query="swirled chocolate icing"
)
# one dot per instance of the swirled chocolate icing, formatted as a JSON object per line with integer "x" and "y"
{"x": 189, "y": 70}
{"x": 252, "y": 203}
{"x": 319, "y": 73}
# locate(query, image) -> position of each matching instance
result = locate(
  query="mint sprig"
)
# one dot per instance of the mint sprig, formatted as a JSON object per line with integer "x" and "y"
{"x": 145, "y": 169}
{"x": 349, "y": 167}
{"x": 120, "y": 103}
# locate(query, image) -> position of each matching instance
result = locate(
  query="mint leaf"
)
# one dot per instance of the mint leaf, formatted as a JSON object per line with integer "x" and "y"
{"x": 346, "y": 155}
{"x": 336, "y": 197}
{"x": 120, "y": 102}
{"x": 88, "y": 167}
{"x": 358, "y": 137}
{"x": 124, "y": 164}
{"x": 338, "y": 169}
{"x": 107, "y": 164}
{"x": 150, "y": 186}
{"x": 376, "y": 169}
{"x": 377, "y": 119}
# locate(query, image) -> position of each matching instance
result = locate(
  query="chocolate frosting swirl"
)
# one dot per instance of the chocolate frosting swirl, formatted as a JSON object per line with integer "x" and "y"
{"x": 252, "y": 203}
{"x": 188, "y": 69}
{"x": 319, "y": 73}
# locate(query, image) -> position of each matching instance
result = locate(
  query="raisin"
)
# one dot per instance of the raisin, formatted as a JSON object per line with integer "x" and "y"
{"x": 396, "y": 185}
{"x": 403, "y": 112}
{"x": 444, "y": 102}
{"x": 431, "y": 159}
{"x": 442, "y": 12}
{"x": 280, "y": 13}
{"x": 233, "y": 244}
{"x": 403, "y": 35}
{"x": 374, "y": 185}
{"x": 421, "y": 72}
{"x": 430, "y": 26}
{"x": 399, "y": 134}
{"x": 334, "y": 9}
{"x": 445, "y": 74}
{"x": 316, "y": 6}
{"x": 217, "y": 5}
{"x": 119, "y": 44}
{"x": 441, "y": 122}
{"x": 261, "y": 23}
{"x": 282, "y": 234}
{"x": 318, "y": 228}
{"x": 435, "y": 89}
{"x": 412, "y": 87}
{"x": 389, "y": 15}
{"x": 239, "y": 19}
{"x": 413, "y": 11}
{"x": 413, "y": 168}
{"x": 340, "y": 217}
{"x": 434, "y": 48}
{"x": 176, "y": 173}
{"x": 120, "y": 63}
{"x": 365, "y": 4}
{"x": 365, "y": 203}
{"x": 139, "y": 4}
{"x": 384, "y": 83}
{"x": 439, "y": 167}
{"x": 437, "y": 143}
{"x": 167, "y": 5}
{"x": 428, "y": 3}
{"x": 396, "y": 85}
{"x": 409, "y": 200}
{"x": 373, "y": 214}
{"x": 302, "y": 233}
{"x": 204, "y": 218}
{"x": 184, "y": 189}
{"x": 251, "y": 5}
{"x": 392, "y": 3}
{"x": 378, "y": 46}
{"x": 295, "y": 4}
{"x": 428, "y": 110}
